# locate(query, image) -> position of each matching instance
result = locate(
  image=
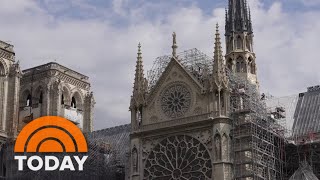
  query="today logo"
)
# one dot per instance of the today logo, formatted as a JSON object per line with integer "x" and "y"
{"x": 50, "y": 134}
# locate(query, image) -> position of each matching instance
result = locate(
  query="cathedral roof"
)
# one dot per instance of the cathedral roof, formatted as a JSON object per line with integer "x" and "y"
{"x": 6, "y": 46}
{"x": 302, "y": 113}
{"x": 193, "y": 60}
{"x": 304, "y": 172}
{"x": 289, "y": 103}
{"x": 118, "y": 141}
{"x": 307, "y": 113}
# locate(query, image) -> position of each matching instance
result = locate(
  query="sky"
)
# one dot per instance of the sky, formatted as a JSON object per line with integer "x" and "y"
{"x": 99, "y": 38}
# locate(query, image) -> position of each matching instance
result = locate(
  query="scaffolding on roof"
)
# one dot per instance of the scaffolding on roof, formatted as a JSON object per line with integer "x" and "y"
{"x": 258, "y": 134}
{"x": 192, "y": 60}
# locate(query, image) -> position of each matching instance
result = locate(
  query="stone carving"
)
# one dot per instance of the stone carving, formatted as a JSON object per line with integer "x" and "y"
{"x": 175, "y": 101}
{"x": 197, "y": 110}
{"x": 154, "y": 119}
{"x": 217, "y": 149}
{"x": 135, "y": 159}
{"x": 225, "y": 147}
{"x": 178, "y": 157}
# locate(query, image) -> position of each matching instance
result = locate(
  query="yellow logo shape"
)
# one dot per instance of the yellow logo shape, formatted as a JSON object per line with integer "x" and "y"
{"x": 50, "y": 134}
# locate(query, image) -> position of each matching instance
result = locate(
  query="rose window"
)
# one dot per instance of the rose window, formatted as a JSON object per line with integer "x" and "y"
{"x": 175, "y": 101}
{"x": 178, "y": 158}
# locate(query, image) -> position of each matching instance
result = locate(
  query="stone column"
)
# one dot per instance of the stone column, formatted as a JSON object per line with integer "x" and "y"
{"x": 88, "y": 113}
{"x": 55, "y": 99}
{"x": 222, "y": 167}
{"x": 13, "y": 100}
{"x": 46, "y": 101}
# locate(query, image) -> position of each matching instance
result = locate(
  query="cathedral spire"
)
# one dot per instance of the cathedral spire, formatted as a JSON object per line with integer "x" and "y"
{"x": 174, "y": 45}
{"x": 238, "y": 19}
{"x": 139, "y": 87}
{"x": 240, "y": 58}
{"x": 250, "y": 21}
{"x": 219, "y": 73}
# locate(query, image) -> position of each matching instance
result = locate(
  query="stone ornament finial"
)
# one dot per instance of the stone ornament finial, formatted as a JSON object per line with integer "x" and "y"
{"x": 174, "y": 45}
{"x": 139, "y": 50}
{"x": 217, "y": 28}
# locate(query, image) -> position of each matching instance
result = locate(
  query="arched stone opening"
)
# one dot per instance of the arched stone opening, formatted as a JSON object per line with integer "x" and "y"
{"x": 76, "y": 101}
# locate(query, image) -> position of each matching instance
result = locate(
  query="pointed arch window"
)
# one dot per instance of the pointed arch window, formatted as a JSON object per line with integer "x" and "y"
{"x": 73, "y": 102}
{"x": 238, "y": 66}
{"x": 222, "y": 98}
{"x": 62, "y": 99}
{"x": 29, "y": 100}
{"x": 248, "y": 44}
{"x": 239, "y": 43}
{"x": 41, "y": 98}
{"x": 252, "y": 66}
{"x": 139, "y": 115}
{"x": 241, "y": 65}
{"x": 2, "y": 70}
{"x": 231, "y": 44}
{"x": 229, "y": 64}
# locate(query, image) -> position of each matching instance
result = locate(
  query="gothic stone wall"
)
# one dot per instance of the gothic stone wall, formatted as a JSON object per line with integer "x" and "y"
{"x": 183, "y": 153}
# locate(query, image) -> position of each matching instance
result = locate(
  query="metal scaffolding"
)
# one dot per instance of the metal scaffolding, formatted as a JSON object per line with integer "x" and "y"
{"x": 258, "y": 132}
{"x": 258, "y": 137}
{"x": 193, "y": 60}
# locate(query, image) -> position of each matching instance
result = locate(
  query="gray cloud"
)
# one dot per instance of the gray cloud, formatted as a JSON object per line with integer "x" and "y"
{"x": 285, "y": 45}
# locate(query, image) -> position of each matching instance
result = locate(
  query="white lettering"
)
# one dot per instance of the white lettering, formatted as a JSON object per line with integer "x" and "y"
{"x": 30, "y": 165}
{"x": 66, "y": 164}
{"x": 20, "y": 161}
{"x": 47, "y": 163}
{"x": 80, "y": 161}
{"x": 35, "y": 163}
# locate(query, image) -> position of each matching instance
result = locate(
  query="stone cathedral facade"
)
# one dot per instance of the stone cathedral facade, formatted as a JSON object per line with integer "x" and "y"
{"x": 181, "y": 125}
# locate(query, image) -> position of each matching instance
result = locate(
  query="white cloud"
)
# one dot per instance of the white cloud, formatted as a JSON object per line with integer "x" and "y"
{"x": 285, "y": 45}
{"x": 119, "y": 6}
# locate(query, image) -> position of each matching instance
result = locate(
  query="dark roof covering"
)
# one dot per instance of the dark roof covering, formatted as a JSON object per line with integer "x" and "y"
{"x": 307, "y": 113}
{"x": 304, "y": 172}
{"x": 117, "y": 140}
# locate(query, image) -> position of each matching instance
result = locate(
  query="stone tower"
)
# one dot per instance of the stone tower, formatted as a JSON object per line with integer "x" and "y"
{"x": 54, "y": 90}
{"x": 10, "y": 75}
{"x": 47, "y": 90}
{"x": 179, "y": 117}
{"x": 240, "y": 57}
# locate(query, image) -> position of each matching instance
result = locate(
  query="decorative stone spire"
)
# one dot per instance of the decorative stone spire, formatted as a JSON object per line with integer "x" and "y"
{"x": 250, "y": 21}
{"x": 238, "y": 17}
{"x": 174, "y": 45}
{"x": 219, "y": 73}
{"x": 139, "y": 87}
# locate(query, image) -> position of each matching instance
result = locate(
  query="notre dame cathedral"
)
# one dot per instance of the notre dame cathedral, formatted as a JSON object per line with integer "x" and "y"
{"x": 193, "y": 116}
{"x": 181, "y": 124}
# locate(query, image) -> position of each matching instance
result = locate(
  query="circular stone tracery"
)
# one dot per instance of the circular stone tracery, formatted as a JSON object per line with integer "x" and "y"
{"x": 175, "y": 101}
{"x": 178, "y": 158}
